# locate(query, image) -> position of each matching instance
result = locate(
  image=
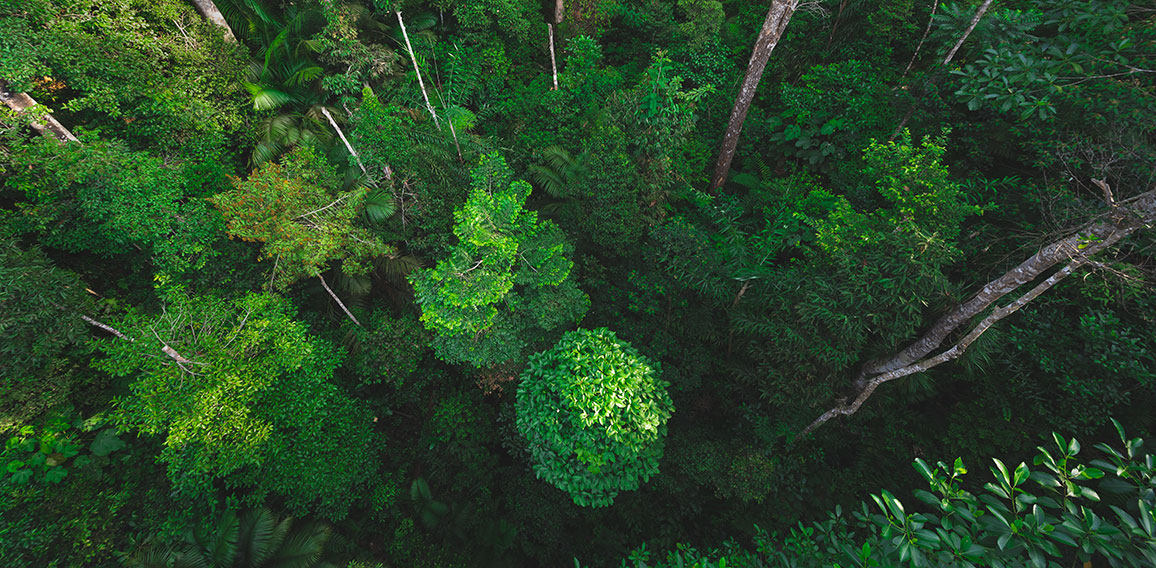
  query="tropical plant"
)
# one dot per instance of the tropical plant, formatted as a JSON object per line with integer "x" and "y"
{"x": 504, "y": 282}
{"x": 594, "y": 412}
{"x": 240, "y": 391}
{"x": 1048, "y": 517}
{"x": 256, "y": 538}
{"x": 292, "y": 208}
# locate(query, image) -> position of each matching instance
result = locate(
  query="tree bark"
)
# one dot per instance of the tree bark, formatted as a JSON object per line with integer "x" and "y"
{"x": 168, "y": 351}
{"x": 420, "y": 83}
{"x": 978, "y": 14}
{"x": 341, "y": 135}
{"x": 553, "y": 63}
{"x": 1075, "y": 249}
{"x": 21, "y": 102}
{"x": 934, "y": 6}
{"x": 774, "y": 26}
{"x": 209, "y": 10}
{"x": 559, "y": 11}
{"x": 325, "y": 285}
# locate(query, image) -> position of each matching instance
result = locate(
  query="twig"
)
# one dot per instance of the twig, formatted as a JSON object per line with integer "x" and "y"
{"x": 934, "y": 6}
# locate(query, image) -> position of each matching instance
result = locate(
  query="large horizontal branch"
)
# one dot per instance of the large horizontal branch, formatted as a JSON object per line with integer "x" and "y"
{"x": 950, "y": 354}
{"x": 1087, "y": 242}
{"x": 21, "y": 103}
{"x": 1075, "y": 249}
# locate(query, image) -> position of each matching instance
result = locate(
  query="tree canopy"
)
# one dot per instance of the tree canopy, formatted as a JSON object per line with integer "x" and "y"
{"x": 610, "y": 282}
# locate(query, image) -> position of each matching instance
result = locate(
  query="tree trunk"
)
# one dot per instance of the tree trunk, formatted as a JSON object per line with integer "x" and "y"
{"x": 774, "y": 26}
{"x": 209, "y": 10}
{"x": 926, "y": 30}
{"x": 325, "y": 285}
{"x": 978, "y": 14}
{"x": 21, "y": 102}
{"x": 553, "y": 64}
{"x": 1074, "y": 249}
{"x": 559, "y": 11}
{"x": 420, "y": 83}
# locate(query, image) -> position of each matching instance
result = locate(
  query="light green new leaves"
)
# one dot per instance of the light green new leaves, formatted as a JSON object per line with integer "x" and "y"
{"x": 241, "y": 391}
{"x": 595, "y": 413}
{"x": 505, "y": 281}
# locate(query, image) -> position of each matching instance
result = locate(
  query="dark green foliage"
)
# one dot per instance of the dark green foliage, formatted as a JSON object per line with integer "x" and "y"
{"x": 171, "y": 89}
{"x": 254, "y": 539}
{"x": 1023, "y": 518}
{"x": 388, "y": 349}
{"x": 100, "y": 197}
{"x": 594, "y": 412}
{"x": 838, "y": 239}
{"x": 87, "y": 516}
{"x": 38, "y": 329}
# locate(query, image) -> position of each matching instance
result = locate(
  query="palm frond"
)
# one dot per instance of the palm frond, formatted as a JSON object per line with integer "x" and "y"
{"x": 302, "y": 547}
{"x": 269, "y": 99}
{"x": 379, "y": 206}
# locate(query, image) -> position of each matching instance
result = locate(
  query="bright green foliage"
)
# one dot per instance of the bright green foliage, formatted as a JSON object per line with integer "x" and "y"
{"x": 504, "y": 282}
{"x": 240, "y": 391}
{"x": 255, "y": 539}
{"x": 293, "y": 208}
{"x": 594, "y": 412}
{"x": 1047, "y": 517}
{"x": 104, "y": 198}
{"x": 37, "y": 301}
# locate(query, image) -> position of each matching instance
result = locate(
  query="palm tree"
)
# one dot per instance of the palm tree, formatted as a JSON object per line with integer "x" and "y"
{"x": 255, "y": 539}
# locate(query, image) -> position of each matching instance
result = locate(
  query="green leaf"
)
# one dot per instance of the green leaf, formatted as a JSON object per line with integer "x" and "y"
{"x": 22, "y": 477}
{"x": 106, "y": 442}
{"x": 55, "y": 474}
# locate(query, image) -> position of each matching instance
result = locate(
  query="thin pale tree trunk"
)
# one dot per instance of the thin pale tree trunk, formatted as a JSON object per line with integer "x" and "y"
{"x": 553, "y": 63}
{"x": 420, "y": 82}
{"x": 209, "y": 10}
{"x": 21, "y": 102}
{"x": 934, "y": 6}
{"x": 325, "y": 285}
{"x": 1075, "y": 250}
{"x": 774, "y": 26}
{"x": 974, "y": 21}
{"x": 341, "y": 135}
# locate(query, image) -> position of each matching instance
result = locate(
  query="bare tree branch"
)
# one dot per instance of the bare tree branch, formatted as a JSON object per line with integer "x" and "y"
{"x": 21, "y": 102}
{"x": 165, "y": 348}
{"x": 341, "y": 135}
{"x": 420, "y": 82}
{"x": 338, "y": 300}
{"x": 778, "y": 16}
{"x": 915, "y": 55}
{"x": 553, "y": 63}
{"x": 950, "y": 354}
{"x": 209, "y": 10}
{"x": 1076, "y": 249}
